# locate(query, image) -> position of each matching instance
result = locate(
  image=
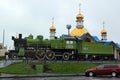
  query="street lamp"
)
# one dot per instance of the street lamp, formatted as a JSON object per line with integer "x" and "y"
{"x": 68, "y": 27}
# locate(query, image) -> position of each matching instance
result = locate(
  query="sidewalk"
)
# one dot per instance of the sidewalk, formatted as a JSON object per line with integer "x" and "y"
{"x": 5, "y": 63}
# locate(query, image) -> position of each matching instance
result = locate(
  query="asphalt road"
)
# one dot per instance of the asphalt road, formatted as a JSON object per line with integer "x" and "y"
{"x": 55, "y": 77}
{"x": 64, "y": 78}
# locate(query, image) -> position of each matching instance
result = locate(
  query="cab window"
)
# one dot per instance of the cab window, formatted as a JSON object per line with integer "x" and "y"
{"x": 69, "y": 42}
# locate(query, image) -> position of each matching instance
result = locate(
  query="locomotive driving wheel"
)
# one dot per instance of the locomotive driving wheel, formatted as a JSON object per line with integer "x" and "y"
{"x": 66, "y": 56}
{"x": 40, "y": 54}
{"x": 50, "y": 55}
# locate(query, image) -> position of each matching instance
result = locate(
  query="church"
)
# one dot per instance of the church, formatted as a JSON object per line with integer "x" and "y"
{"x": 83, "y": 34}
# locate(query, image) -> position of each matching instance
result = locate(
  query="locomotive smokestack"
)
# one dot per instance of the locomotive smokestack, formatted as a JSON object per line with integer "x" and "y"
{"x": 20, "y": 36}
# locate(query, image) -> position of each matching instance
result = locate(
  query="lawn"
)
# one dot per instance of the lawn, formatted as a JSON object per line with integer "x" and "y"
{"x": 57, "y": 68}
{"x": 68, "y": 68}
{"x": 18, "y": 68}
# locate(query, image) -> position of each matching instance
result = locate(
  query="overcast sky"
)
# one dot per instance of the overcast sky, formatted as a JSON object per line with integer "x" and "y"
{"x": 35, "y": 17}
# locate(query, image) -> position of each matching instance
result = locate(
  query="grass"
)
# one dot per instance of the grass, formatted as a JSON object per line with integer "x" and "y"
{"x": 68, "y": 68}
{"x": 57, "y": 68}
{"x": 18, "y": 68}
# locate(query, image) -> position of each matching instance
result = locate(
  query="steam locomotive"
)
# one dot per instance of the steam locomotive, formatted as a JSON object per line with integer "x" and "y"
{"x": 63, "y": 48}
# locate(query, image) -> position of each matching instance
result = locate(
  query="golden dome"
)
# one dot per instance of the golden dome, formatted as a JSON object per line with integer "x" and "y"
{"x": 52, "y": 28}
{"x": 103, "y": 31}
{"x": 78, "y": 32}
{"x": 79, "y": 16}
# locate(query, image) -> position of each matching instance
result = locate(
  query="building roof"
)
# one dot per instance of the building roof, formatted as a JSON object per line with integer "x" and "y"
{"x": 78, "y": 32}
{"x": 96, "y": 38}
{"x": 118, "y": 45}
{"x": 106, "y": 42}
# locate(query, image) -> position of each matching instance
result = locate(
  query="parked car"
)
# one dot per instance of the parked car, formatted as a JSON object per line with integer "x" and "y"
{"x": 105, "y": 69}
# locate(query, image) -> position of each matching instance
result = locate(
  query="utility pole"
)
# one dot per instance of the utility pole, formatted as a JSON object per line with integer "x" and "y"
{"x": 3, "y": 37}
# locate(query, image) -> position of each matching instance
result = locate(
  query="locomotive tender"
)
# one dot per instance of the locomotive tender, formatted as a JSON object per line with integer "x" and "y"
{"x": 63, "y": 48}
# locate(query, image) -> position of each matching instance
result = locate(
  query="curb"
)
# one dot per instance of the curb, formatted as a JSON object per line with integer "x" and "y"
{"x": 36, "y": 76}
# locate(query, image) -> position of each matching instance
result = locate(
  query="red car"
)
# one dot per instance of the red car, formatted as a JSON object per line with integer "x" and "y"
{"x": 105, "y": 69}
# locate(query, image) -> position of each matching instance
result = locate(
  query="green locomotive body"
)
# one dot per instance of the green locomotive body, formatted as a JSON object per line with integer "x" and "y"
{"x": 63, "y": 48}
{"x": 96, "y": 48}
